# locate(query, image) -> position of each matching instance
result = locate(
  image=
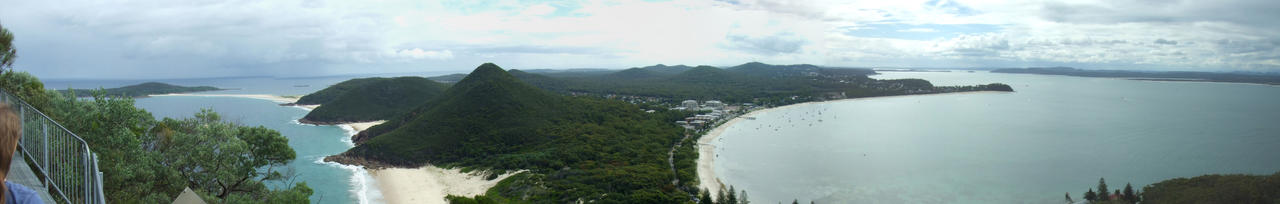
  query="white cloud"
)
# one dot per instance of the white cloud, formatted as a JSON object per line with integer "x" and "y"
{"x": 417, "y": 53}
{"x": 918, "y": 30}
{"x": 334, "y": 37}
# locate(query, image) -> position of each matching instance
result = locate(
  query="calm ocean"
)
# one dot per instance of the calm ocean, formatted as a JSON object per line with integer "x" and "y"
{"x": 1055, "y": 135}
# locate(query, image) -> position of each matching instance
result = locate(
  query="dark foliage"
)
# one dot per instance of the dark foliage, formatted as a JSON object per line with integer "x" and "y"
{"x": 1231, "y": 188}
{"x": 378, "y": 99}
{"x": 333, "y": 92}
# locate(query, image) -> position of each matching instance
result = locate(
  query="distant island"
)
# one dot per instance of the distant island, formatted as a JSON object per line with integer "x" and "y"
{"x": 368, "y": 99}
{"x": 1150, "y": 76}
{"x": 142, "y": 90}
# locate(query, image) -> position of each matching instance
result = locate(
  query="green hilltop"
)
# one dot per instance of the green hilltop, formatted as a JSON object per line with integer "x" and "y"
{"x": 371, "y": 99}
{"x": 575, "y": 147}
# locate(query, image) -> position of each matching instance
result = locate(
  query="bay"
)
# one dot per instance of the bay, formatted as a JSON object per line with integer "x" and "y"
{"x": 1055, "y": 135}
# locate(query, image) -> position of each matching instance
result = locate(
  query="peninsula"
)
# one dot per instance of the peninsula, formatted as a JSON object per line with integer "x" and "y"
{"x": 1252, "y": 78}
{"x": 141, "y": 90}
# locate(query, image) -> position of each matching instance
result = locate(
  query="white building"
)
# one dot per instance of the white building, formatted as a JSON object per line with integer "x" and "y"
{"x": 690, "y": 104}
{"x": 717, "y": 105}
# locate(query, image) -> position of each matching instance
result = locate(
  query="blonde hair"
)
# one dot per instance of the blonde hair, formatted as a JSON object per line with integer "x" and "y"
{"x": 10, "y": 134}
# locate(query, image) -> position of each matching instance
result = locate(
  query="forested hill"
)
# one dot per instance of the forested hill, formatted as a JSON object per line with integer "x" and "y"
{"x": 143, "y": 89}
{"x": 748, "y": 83}
{"x": 1256, "y": 78}
{"x": 576, "y": 148}
{"x": 333, "y": 92}
{"x": 371, "y": 99}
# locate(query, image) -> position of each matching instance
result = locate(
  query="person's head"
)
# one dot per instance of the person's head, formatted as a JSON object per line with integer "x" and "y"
{"x": 10, "y": 133}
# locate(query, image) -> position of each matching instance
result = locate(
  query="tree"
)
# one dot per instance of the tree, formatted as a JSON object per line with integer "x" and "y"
{"x": 227, "y": 161}
{"x": 796, "y": 201}
{"x": 1090, "y": 196}
{"x": 721, "y": 196}
{"x": 1103, "y": 194}
{"x": 1069, "y": 198}
{"x": 1137, "y": 198}
{"x": 1128, "y": 193}
{"x": 732, "y": 196}
{"x": 742, "y": 197}
{"x": 705, "y": 197}
{"x": 7, "y": 52}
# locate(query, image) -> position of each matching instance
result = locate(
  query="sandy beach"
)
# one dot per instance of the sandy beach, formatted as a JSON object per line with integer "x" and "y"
{"x": 707, "y": 178}
{"x": 273, "y": 98}
{"x": 707, "y": 152}
{"x": 363, "y": 126}
{"x": 430, "y": 184}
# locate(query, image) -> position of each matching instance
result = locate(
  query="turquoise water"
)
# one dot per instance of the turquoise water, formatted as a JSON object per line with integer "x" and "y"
{"x": 1056, "y": 134}
{"x": 332, "y": 183}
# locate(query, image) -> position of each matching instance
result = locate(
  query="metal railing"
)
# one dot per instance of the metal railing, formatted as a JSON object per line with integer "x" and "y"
{"x": 67, "y": 166}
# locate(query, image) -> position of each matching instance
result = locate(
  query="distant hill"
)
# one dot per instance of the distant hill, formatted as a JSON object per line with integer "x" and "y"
{"x": 666, "y": 70}
{"x": 748, "y": 83}
{"x": 1271, "y": 79}
{"x": 757, "y": 69}
{"x": 574, "y": 147}
{"x": 144, "y": 89}
{"x": 452, "y": 78}
{"x": 577, "y": 72}
{"x": 375, "y": 99}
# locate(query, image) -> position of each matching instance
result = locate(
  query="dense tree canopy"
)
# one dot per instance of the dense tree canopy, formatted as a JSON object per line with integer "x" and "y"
{"x": 149, "y": 161}
{"x": 8, "y": 53}
{"x": 374, "y": 99}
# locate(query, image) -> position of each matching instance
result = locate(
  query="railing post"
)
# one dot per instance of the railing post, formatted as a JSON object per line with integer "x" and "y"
{"x": 87, "y": 157}
{"x": 22, "y": 116}
{"x": 45, "y": 131}
{"x": 102, "y": 199}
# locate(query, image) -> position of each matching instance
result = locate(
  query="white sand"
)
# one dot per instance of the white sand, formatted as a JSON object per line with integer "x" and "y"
{"x": 275, "y": 98}
{"x": 707, "y": 152}
{"x": 430, "y": 184}
{"x": 363, "y": 126}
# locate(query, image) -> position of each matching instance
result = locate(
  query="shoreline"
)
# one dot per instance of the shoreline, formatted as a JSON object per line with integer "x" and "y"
{"x": 425, "y": 184}
{"x": 430, "y": 184}
{"x": 360, "y": 176}
{"x": 366, "y": 187}
{"x": 707, "y": 178}
{"x": 282, "y": 100}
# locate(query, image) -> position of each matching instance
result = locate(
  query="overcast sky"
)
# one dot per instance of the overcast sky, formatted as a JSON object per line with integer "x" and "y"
{"x": 209, "y": 38}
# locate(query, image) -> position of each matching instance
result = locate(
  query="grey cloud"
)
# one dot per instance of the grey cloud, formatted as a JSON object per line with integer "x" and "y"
{"x": 1259, "y": 13}
{"x": 1166, "y": 42}
{"x": 767, "y": 45}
